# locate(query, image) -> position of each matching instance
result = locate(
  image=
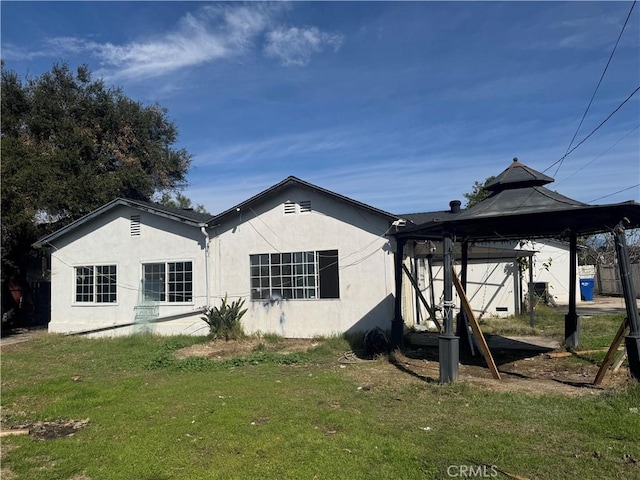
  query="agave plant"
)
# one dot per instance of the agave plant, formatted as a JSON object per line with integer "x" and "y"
{"x": 224, "y": 321}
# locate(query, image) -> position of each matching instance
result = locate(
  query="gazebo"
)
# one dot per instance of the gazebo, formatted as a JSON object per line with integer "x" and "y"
{"x": 520, "y": 207}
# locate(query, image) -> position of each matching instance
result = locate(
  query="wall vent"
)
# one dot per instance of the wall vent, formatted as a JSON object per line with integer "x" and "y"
{"x": 135, "y": 225}
{"x": 289, "y": 207}
{"x": 305, "y": 206}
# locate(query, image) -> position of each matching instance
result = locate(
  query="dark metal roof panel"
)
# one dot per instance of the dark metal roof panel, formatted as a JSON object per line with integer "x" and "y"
{"x": 426, "y": 217}
{"x": 518, "y": 175}
{"x": 521, "y": 200}
{"x": 558, "y": 223}
{"x": 187, "y": 214}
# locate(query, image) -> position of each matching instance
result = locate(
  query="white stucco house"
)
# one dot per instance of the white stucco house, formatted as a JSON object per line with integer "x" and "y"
{"x": 307, "y": 261}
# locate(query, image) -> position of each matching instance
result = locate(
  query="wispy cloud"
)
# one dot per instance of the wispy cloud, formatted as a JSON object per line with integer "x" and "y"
{"x": 296, "y": 46}
{"x": 209, "y": 34}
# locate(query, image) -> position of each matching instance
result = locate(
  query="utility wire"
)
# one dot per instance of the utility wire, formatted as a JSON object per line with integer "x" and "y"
{"x": 596, "y": 158}
{"x": 615, "y": 193}
{"x": 584, "y": 115}
{"x": 593, "y": 131}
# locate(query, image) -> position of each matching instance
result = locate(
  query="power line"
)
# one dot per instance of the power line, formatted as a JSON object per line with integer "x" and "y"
{"x": 597, "y": 86}
{"x": 596, "y": 158}
{"x": 615, "y": 193}
{"x": 593, "y": 131}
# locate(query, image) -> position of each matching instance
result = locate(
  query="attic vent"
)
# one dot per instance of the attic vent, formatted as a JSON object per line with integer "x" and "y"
{"x": 305, "y": 206}
{"x": 135, "y": 225}
{"x": 289, "y": 208}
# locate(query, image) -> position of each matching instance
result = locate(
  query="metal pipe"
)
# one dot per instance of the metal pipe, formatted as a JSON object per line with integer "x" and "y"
{"x": 632, "y": 341}
{"x": 397, "y": 324}
{"x": 203, "y": 229}
{"x": 448, "y": 343}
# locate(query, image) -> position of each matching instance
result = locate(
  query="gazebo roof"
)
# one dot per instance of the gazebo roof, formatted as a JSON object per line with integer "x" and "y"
{"x": 520, "y": 206}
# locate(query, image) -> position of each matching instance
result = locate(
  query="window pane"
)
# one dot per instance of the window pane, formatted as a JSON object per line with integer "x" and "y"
{"x": 84, "y": 284}
{"x": 180, "y": 290}
{"x": 153, "y": 281}
{"x": 328, "y": 274}
{"x": 105, "y": 284}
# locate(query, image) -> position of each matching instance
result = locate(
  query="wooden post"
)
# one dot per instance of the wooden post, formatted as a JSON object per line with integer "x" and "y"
{"x": 466, "y": 306}
{"x": 608, "y": 358}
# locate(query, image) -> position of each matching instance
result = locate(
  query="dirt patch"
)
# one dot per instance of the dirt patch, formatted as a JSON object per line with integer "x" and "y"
{"x": 221, "y": 350}
{"x": 49, "y": 430}
{"x": 528, "y": 372}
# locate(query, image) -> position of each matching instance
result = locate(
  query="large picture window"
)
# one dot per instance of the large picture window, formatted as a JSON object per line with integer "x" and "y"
{"x": 167, "y": 282}
{"x": 295, "y": 275}
{"x": 96, "y": 284}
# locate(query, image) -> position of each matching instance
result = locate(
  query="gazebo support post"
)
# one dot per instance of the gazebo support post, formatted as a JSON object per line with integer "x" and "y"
{"x": 571, "y": 320}
{"x": 632, "y": 341}
{"x": 531, "y": 289}
{"x": 397, "y": 324}
{"x": 448, "y": 348}
{"x": 431, "y": 292}
{"x": 462, "y": 322}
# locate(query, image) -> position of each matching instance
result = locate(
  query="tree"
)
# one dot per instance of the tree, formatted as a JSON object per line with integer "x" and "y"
{"x": 478, "y": 192}
{"x": 179, "y": 201}
{"x": 70, "y": 144}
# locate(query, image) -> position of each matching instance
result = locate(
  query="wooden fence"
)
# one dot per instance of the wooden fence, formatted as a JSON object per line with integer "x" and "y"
{"x": 608, "y": 282}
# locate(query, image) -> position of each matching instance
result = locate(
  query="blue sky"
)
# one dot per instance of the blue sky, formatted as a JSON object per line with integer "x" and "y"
{"x": 398, "y": 105}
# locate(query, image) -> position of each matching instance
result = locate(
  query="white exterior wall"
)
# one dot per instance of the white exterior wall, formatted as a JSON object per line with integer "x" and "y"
{"x": 107, "y": 240}
{"x": 493, "y": 287}
{"x": 551, "y": 265}
{"x": 365, "y": 259}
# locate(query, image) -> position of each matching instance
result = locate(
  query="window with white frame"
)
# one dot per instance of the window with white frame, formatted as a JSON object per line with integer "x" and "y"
{"x": 96, "y": 284}
{"x": 167, "y": 282}
{"x": 296, "y": 275}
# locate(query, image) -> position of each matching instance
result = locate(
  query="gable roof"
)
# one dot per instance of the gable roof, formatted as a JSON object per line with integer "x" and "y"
{"x": 195, "y": 219}
{"x": 188, "y": 217}
{"x": 292, "y": 181}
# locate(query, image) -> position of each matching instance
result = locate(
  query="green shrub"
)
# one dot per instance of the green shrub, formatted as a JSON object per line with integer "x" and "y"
{"x": 224, "y": 321}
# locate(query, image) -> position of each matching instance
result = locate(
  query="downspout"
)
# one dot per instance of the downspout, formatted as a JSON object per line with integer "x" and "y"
{"x": 203, "y": 229}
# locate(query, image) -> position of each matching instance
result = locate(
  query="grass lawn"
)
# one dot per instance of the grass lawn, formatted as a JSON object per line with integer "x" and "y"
{"x": 273, "y": 415}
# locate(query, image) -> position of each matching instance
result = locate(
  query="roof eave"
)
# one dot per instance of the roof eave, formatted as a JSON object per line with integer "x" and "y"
{"x": 109, "y": 206}
{"x": 294, "y": 181}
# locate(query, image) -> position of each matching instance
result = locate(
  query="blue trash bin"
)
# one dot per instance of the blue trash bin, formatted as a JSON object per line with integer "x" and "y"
{"x": 586, "y": 289}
